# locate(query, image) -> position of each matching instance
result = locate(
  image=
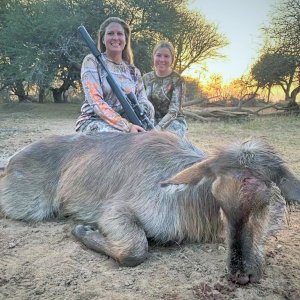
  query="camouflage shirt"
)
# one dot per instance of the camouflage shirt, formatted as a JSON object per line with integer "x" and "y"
{"x": 100, "y": 100}
{"x": 167, "y": 95}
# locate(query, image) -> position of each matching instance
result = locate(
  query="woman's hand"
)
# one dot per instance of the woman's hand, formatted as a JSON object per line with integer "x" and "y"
{"x": 136, "y": 128}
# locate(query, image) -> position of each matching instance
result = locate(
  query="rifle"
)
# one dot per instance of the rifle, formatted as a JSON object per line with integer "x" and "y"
{"x": 133, "y": 110}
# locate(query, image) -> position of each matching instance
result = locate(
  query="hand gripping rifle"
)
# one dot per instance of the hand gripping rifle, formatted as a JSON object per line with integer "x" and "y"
{"x": 133, "y": 110}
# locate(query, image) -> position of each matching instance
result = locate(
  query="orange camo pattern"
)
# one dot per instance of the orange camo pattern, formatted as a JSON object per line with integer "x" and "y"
{"x": 107, "y": 113}
{"x": 100, "y": 101}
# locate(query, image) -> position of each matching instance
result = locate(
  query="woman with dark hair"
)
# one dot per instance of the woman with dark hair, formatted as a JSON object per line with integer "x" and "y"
{"x": 165, "y": 88}
{"x": 101, "y": 110}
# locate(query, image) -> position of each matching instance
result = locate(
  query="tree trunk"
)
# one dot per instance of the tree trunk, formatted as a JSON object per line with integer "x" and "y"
{"x": 292, "y": 100}
{"x": 269, "y": 94}
{"x": 57, "y": 94}
{"x": 19, "y": 91}
{"x": 286, "y": 95}
{"x": 41, "y": 94}
{"x": 286, "y": 90}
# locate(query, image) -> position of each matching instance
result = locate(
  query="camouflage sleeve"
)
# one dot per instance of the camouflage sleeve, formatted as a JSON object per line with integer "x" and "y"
{"x": 178, "y": 97}
{"x": 94, "y": 95}
{"x": 142, "y": 97}
{"x": 145, "y": 79}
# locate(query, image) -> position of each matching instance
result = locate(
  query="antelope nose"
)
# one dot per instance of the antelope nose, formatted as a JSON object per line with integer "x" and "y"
{"x": 240, "y": 278}
{"x": 253, "y": 278}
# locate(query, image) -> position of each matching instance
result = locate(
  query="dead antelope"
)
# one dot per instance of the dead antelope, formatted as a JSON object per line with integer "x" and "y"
{"x": 126, "y": 188}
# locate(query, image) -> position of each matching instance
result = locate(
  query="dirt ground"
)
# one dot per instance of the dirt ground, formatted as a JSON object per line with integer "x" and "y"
{"x": 43, "y": 261}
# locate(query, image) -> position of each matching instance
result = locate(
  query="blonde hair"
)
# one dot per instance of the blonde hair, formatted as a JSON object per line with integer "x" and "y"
{"x": 127, "y": 54}
{"x": 165, "y": 44}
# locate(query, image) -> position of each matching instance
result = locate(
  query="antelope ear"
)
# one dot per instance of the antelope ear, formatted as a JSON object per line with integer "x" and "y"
{"x": 191, "y": 175}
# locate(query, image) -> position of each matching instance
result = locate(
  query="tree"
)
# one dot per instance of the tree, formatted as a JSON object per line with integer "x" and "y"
{"x": 193, "y": 37}
{"x": 38, "y": 38}
{"x": 31, "y": 38}
{"x": 214, "y": 85}
{"x": 276, "y": 69}
{"x": 40, "y": 46}
{"x": 284, "y": 29}
{"x": 195, "y": 40}
{"x": 282, "y": 38}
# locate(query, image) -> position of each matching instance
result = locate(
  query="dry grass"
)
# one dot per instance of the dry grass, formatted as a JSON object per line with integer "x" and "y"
{"x": 282, "y": 132}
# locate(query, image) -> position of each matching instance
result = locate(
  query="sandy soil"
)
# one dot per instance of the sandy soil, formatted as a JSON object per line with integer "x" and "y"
{"x": 43, "y": 261}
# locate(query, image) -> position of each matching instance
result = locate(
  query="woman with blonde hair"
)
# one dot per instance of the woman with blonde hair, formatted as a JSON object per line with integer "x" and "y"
{"x": 165, "y": 88}
{"x": 101, "y": 110}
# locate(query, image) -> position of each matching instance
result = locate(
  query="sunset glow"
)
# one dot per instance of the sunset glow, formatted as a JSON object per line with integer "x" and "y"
{"x": 240, "y": 21}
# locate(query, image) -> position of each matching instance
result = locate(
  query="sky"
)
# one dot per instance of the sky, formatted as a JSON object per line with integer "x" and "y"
{"x": 240, "y": 21}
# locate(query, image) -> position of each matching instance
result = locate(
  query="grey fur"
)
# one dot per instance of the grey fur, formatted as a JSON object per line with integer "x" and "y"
{"x": 112, "y": 184}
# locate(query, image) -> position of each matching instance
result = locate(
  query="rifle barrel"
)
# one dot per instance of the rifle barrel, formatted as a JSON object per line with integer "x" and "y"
{"x": 122, "y": 97}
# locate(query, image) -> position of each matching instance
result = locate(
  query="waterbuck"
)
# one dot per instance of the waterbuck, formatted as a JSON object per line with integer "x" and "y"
{"x": 124, "y": 189}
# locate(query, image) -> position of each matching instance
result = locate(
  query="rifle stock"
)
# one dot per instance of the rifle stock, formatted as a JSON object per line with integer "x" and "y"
{"x": 132, "y": 108}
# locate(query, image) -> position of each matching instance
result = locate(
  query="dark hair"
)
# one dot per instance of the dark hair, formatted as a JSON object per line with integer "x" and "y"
{"x": 165, "y": 44}
{"x": 127, "y": 54}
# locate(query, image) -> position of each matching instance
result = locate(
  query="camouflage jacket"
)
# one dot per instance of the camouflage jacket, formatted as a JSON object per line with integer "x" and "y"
{"x": 167, "y": 95}
{"x": 100, "y": 100}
